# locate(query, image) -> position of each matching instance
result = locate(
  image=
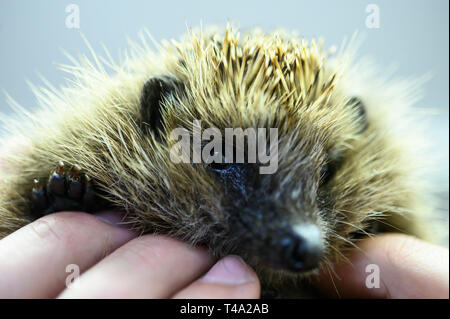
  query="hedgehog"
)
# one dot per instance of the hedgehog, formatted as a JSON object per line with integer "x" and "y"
{"x": 346, "y": 153}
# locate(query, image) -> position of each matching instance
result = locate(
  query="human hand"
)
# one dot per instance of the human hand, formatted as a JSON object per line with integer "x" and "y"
{"x": 114, "y": 263}
{"x": 408, "y": 268}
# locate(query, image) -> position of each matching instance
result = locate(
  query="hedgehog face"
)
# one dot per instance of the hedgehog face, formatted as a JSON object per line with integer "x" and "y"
{"x": 277, "y": 220}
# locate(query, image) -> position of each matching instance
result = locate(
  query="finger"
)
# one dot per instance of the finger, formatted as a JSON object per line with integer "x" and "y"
{"x": 408, "y": 268}
{"x": 33, "y": 260}
{"x": 147, "y": 267}
{"x": 229, "y": 278}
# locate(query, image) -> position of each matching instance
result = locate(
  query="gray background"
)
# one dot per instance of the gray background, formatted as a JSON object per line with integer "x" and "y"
{"x": 413, "y": 35}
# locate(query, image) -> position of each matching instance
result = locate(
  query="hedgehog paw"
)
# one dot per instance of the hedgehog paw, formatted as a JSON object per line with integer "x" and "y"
{"x": 72, "y": 191}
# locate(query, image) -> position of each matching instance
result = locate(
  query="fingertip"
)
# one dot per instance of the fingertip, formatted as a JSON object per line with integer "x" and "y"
{"x": 389, "y": 266}
{"x": 229, "y": 278}
{"x": 348, "y": 279}
{"x": 230, "y": 270}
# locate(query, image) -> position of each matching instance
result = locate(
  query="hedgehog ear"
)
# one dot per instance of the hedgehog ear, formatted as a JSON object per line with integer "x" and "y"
{"x": 155, "y": 90}
{"x": 360, "y": 108}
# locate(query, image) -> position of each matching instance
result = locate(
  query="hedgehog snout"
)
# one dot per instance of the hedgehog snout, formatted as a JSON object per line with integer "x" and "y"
{"x": 302, "y": 249}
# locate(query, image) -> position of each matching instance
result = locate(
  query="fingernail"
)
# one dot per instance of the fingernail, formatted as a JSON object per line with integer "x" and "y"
{"x": 231, "y": 270}
{"x": 112, "y": 218}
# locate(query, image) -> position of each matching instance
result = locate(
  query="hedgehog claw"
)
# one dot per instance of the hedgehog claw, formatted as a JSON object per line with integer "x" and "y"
{"x": 75, "y": 188}
{"x": 38, "y": 196}
{"x": 90, "y": 196}
{"x": 63, "y": 192}
{"x": 57, "y": 181}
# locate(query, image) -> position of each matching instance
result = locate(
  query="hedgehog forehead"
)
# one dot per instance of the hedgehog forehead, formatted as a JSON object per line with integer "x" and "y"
{"x": 254, "y": 68}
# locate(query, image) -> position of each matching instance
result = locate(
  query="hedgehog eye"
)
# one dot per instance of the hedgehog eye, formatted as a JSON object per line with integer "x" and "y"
{"x": 155, "y": 90}
{"x": 324, "y": 174}
{"x": 328, "y": 171}
{"x": 360, "y": 108}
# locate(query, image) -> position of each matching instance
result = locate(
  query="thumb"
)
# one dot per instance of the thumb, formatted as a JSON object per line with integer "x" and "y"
{"x": 407, "y": 268}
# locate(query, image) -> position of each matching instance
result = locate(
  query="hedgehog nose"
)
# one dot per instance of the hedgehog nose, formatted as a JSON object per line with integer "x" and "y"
{"x": 303, "y": 248}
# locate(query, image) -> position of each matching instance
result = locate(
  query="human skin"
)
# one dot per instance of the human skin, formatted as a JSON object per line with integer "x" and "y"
{"x": 408, "y": 268}
{"x": 115, "y": 262}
